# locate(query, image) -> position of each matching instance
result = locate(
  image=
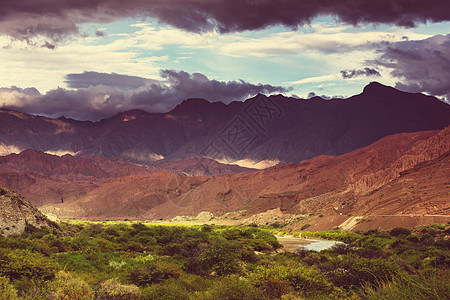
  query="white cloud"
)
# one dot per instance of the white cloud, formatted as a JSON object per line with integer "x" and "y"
{"x": 316, "y": 79}
{"x": 324, "y": 40}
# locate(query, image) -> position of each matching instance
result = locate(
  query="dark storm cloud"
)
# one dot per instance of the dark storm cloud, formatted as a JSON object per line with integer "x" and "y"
{"x": 181, "y": 85}
{"x": 100, "y": 33}
{"x": 198, "y": 85}
{"x": 356, "y": 73}
{"x": 325, "y": 97}
{"x": 100, "y": 95}
{"x": 312, "y": 95}
{"x": 420, "y": 66}
{"x": 86, "y": 79}
{"x": 48, "y": 45}
{"x": 57, "y": 19}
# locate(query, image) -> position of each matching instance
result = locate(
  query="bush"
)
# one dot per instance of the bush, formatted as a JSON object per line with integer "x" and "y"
{"x": 155, "y": 273}
{"x": 412, "y": 287}
{"x": 399, "y": 231}
{"x": 301, "y": 278}
{"x": 7, "y": 290}
{"x": 68, "y": 287}
{"x": 426, "y": 239}
{"x": 112, "y": 289}
{"x": 207, "y": 228}
{"x": 305, "y": 226}
{"x": 19, "y": 264}
{"x": 233, "y": 288}
{"x": 221, "y": 259}
{"x": 171, "y": 290}
{"x": 372, "y": 271}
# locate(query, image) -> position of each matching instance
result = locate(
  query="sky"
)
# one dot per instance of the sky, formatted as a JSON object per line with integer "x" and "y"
{"x": 90, "y": 59}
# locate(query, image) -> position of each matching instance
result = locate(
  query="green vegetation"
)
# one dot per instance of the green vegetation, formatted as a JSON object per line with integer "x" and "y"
{"x": 114, "y": 260}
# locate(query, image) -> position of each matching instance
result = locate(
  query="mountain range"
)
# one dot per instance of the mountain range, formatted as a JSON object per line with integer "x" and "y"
{"x": 382, "y": 152}
{"x": 401, "y": 174}
{"x": 260, "y": 132}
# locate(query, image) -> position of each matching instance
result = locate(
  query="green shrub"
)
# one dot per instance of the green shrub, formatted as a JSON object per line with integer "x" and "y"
{"x": 304, "y": 226}
{"x": 426, "y": 239}
{"x": 411, "y": 287}
{"x": 413, "y": 239}
{"x": 399, "y": 231}
{"x": 171, "y": 290}
{"x": 301, "y": 278}
{"x": 18, "y": 264}
{"x": 112, "y": 289}
{"x": 232, "y": 288}
{"x": 7, "y": 290}
{"x": 145, "y": 237}
{"x": 154, "y": 273}
{"x": 207, "y": 228}
{"x": 221, "y": 258}
{"x": 67, "y": 287}
{"x": 372, "y": 271}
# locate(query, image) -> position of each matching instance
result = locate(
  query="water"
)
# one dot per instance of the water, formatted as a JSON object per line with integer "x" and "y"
{"x": 291, "y": 243}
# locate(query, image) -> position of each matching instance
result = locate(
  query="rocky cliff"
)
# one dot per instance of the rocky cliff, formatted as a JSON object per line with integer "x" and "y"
{"x": 16, "y": 213}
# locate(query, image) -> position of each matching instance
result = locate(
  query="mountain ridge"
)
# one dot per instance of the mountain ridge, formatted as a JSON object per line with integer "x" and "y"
{"x": 274, "y": 128}
{"x": 353, "y": 183}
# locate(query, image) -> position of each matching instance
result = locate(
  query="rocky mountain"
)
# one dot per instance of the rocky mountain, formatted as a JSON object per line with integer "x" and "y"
{"x": 265, "y": 130}
{"x": 45, "y": 178}
{"x": 406, "y": 173}
{"x": 16, "y": 213}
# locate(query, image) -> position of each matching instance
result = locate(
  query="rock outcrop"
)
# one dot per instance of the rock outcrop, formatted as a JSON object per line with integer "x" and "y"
{"x": 16, "y": 213}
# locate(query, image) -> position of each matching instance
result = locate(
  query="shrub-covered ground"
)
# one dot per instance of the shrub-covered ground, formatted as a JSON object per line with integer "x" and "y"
{"x": 142, "y": 261}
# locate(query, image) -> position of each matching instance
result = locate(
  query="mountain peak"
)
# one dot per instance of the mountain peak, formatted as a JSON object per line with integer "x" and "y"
{"x": 376, "y": 88}
{"x": 194, "y": 106}
{"x": 194, "y": 101}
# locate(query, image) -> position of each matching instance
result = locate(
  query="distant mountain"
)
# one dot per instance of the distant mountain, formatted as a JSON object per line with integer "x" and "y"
{"x": 405, "y": 173}
{"x": 16, "y": 213}
{"x": 44, "y": 178}
{"x": 65, "y": 167}
{"x": 262, "y": 129}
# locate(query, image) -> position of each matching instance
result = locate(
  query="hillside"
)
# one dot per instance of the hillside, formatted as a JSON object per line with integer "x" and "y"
{"x": 386, "y": 177}
{"x": 16, "y": 213}
{"x": 48, "y": 179}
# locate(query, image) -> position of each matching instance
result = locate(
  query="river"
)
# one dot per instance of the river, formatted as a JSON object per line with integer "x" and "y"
{"x": 291, "y": 243}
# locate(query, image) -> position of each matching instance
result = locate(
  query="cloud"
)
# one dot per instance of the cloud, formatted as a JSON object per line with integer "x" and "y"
{"x": 86, "y": 79}
{"x": 419, "y": 65}
{"x": 48, "y": 45}
{"x": 356, "y": 73}
{"x": 327, "y": 40}
{"x": 312, "y": 95}
{"x": 325, "y": 97}
{"x": 316, "y": 79}
{"x": 109, "y": 94}
{"x": 55, "y": 20}
{"x": 100, "y": 33}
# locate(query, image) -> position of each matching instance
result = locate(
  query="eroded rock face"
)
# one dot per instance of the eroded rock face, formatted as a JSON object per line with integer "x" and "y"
{"x": 16, "y": 213}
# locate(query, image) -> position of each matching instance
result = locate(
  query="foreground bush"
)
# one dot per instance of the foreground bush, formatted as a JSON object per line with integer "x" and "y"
{"x": 169, "y": 290}
{"x": 232, "y": 288}
{"x": 277, "y": 280}
{"x": 68, "y": 287}
{"x": 139, "y": 261}
{"x": 154, "y": 273}
{"x": 412, "y": 287}
{"x": 7, "y": 290}
{"x": 112, "y": 289}
{"x": 26, "y": 266}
